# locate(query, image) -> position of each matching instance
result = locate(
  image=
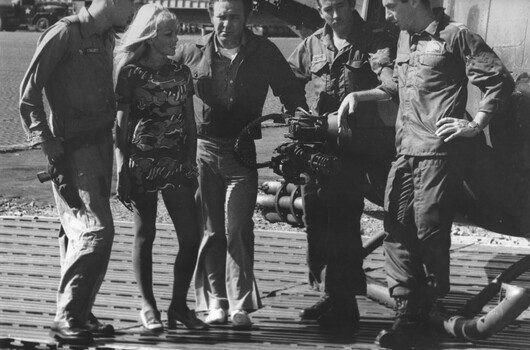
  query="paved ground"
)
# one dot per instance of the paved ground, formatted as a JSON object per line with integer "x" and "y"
{"x": 29, "y": 273}
{"x": 15, "y": 55}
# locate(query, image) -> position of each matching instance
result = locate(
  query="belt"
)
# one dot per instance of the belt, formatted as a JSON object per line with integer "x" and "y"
{"x": 90, "y": 138}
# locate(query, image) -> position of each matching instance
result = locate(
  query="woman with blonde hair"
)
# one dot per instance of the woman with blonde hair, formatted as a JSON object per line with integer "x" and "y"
{"x": 155, "y": 153}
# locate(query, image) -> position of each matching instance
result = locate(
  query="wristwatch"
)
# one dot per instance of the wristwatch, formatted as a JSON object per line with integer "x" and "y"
{"x": 474, "y": 125}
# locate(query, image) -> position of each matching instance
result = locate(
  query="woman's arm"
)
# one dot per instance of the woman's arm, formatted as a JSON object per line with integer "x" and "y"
{"x": 191, "y": 128}
{"x": 121, "y": 150}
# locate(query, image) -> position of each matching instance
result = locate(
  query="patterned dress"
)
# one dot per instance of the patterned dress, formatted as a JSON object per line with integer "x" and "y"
{"x": 157, "y": 137}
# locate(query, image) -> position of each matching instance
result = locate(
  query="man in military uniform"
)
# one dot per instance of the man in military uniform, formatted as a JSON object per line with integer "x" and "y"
{"x": 436, "y": 58}
{"x": 345, "y": 55}
{"x": 73, "y": 64}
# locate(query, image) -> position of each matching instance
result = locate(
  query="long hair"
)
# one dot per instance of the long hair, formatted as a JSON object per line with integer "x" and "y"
{"x": 133, "y": 43}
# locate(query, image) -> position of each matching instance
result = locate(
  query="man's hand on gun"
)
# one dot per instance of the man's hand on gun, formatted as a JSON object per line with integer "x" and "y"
{"x": 347, "y": 107}
{"x": 53, "y": 150}
{"x": 60, "y": 172}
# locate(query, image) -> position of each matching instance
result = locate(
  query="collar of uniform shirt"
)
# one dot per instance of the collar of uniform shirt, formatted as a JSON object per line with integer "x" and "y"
{"x": 434, "y": 26}
{"x": 217, "y": 44}
{"x": 430, "y": 30}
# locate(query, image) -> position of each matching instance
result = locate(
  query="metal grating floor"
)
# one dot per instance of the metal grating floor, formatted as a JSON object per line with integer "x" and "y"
{"x": 29, "y": 274}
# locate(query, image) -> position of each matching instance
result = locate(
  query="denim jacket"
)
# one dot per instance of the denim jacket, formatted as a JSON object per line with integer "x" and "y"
{"x": 261, "y": 65}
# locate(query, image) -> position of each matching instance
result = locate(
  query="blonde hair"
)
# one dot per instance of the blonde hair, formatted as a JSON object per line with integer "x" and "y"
{"x": 133, "y": 43}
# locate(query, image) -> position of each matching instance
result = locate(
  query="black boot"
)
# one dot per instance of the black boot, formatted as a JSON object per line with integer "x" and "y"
{"x": 97, "y": 328}
{"x": 315, "y": 311}
{"x": 71, "y": 332}
{"x": 343, "y": 314}
{"x": 407, "y": 326}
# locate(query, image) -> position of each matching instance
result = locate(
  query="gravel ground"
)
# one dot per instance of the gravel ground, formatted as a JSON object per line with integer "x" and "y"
{"x": 463, "y": 233}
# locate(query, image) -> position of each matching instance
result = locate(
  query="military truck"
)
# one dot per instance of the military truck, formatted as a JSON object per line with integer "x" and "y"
{"x": 34, "y": 14}
{"x": 9, "y": 15}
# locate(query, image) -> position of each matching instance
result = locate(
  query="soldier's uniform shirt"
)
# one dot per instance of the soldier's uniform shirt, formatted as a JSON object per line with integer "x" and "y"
{"x": 363, "y": 63}
{"x": 75, "y": 69}
{"x": 432, "y": 71}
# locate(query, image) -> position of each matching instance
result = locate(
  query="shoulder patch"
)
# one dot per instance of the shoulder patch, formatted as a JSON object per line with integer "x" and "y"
{"x": 70, "y": 19}
{"x": 318, "y": 58}
{"x": 434, "y": 47}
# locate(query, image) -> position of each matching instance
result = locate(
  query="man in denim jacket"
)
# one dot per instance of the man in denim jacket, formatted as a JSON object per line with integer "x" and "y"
{"x": 232, "y": 71}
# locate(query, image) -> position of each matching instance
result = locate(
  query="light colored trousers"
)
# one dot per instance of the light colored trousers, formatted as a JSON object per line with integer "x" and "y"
{"x": 224, "y": 277}
{"x": 86, "y": 242}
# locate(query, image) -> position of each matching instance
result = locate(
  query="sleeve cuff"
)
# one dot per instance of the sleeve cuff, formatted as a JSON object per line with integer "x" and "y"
{"x": 492, "y": 106}
{"x": 37, "y": 137}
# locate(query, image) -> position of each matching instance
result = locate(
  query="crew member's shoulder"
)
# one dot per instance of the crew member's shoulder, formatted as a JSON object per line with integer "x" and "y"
{"x": 314, "y": 39}
{"x": 317, "y": 35}
{"x": 187, "y": 52}
{"x": 450, "y": 27}
{"x": 69, "y": 20}
{"x": 60, "y": 30}
{"x": 188, "y": 47}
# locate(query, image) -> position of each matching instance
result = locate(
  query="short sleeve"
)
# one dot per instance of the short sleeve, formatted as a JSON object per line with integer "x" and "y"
{"x": 123, "y": 86}
{"x": 190, "y": 88}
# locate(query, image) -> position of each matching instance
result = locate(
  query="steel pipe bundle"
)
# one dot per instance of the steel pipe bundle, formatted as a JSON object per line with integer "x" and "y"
{"x": 282, "y": 202}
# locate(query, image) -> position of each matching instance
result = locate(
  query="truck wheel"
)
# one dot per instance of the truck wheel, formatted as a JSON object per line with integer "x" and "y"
{"x": 42, "y": 24}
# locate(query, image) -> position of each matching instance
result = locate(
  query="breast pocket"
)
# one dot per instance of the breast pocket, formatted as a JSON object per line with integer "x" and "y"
{"x": 89, "y": 65}
{"x": 359, "y": 75}
{"x": 433, "y": 60}
{"x": 319, "y": 68}
{"x": 202, "y": 82}
{"x": 402, "y": 66}
{"x": 438, "y": 71}
{"x": 320, "y": 75}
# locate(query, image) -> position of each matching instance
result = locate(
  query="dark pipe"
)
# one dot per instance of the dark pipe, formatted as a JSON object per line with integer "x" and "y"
{"x": 475, "y": 305}
{"x": 275, "y": 217}
{"x": 517, "y": 300}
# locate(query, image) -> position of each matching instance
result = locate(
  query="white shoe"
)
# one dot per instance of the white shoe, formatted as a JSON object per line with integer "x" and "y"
{"x": 217, "y": 316}
{"x": 241, "y": 319}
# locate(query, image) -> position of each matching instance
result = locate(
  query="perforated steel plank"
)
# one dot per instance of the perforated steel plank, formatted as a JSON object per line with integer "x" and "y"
{"x": 29, "y": 270}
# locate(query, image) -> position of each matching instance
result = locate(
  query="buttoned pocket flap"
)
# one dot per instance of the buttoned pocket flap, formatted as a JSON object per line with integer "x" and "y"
{"x": 432, "y": 60}
{"x": 318, "y": 66}
{"x": 355, "y": 64}
{"x": 402, "y": 58}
